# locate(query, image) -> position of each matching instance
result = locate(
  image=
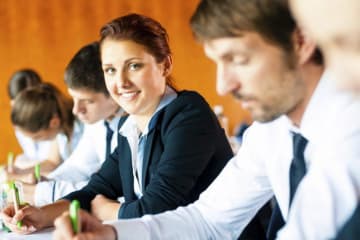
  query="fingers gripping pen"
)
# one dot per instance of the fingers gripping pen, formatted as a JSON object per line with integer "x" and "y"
{"x": 74, "y": 216}
{"x": 16, "y": 199}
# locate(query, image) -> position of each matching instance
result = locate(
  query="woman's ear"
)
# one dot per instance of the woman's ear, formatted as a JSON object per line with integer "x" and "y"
{"x": 304, "y": 47}
{"x": 167, "y": 66}
{"x": 54, "y": 122}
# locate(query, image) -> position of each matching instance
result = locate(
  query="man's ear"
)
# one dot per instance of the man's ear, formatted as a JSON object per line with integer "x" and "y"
{"x": 167, "y": 66}
{"x": 304, "y": 47}
{"x": 54, "y": 122}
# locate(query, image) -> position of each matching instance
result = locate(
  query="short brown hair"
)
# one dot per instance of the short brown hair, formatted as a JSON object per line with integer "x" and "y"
{"x": 84, "y": 71}
{"x": 230, "y": 18}
{"x": 21, "y": 80}
{"x": 34, "y": 108}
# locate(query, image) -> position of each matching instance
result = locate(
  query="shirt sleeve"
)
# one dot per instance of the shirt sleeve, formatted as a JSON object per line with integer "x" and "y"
{"x": 43, "y": 193}
{"x": 82, "y": 162}
{"x": 178, "y": 224}
{"x": 49, "y": 191}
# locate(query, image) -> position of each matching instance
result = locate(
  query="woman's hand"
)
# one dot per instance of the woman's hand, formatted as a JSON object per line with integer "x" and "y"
{"x": 31, "y": 219}
{"x": 104, "y": 208}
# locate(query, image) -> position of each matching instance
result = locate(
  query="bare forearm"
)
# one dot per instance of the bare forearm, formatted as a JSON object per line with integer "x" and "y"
{"x": 47, "y": 166}
{"x": 52, "y": 211}
{"x": 104, "y": 209}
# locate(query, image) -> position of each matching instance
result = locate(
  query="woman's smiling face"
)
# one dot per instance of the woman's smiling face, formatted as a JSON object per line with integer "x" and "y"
{"x": 133, "y": 77}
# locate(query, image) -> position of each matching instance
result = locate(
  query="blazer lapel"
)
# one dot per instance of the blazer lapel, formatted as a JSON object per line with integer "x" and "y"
{"x": 146, "y": 159}
{"x": 125, "y": 168}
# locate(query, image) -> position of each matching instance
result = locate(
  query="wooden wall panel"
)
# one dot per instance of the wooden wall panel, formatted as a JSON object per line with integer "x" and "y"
{"x": 44, "y": 35}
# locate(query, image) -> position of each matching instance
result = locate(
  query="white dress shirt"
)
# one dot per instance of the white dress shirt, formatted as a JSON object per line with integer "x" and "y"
{"x": 33, "y": 151}
{"x": 334, "y": 180}
{"x": 331, "y": 124}
{"x": 75, "y": 172}
{"x": 65, "y": 147}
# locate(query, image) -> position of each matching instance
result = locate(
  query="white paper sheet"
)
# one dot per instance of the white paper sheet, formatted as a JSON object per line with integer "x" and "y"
{"x": 45, "y": 234}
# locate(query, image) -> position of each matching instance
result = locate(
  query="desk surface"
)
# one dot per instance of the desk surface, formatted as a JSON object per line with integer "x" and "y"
{"x": 45, "y": 234}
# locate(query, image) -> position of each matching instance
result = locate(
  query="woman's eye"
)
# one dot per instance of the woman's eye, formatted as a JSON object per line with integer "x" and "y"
{"x": 240, "y": 61}
{"x": 134, "y": 66}
{"x": 109, "y": 70}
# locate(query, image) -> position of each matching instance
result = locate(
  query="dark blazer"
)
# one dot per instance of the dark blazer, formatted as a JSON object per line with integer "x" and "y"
{"x": 183, "y": 154}
{"x": 351, "y": 229}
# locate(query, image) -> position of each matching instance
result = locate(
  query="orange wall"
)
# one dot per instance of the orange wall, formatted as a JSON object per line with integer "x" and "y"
{"x": 44, "y": 35}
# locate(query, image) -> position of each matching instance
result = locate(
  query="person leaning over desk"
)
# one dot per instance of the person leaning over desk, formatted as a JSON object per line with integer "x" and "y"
{"x": 170, "y": 146}
{"x": 33, "y": 151}
{"x": 41, "y": 113}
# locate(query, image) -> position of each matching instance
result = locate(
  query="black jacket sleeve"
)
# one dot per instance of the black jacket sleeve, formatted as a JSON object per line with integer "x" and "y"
{"x": 106, "y": 181}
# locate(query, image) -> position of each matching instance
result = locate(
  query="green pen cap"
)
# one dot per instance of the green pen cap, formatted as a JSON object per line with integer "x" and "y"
{"x": 12, "y": 185}
{"x": 37, "y": 172}
{"x": 74, "y": 215}
{"x": 19, "y": 224}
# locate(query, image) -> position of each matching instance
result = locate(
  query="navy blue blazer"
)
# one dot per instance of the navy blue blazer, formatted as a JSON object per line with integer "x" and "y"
{"x": 351, "y": 229}
{"x": 183, "y": 154}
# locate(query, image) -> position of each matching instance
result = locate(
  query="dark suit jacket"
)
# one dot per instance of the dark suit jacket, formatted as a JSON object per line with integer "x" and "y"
{"x": 183, "y": 154}
{"x": 351, "y": 229}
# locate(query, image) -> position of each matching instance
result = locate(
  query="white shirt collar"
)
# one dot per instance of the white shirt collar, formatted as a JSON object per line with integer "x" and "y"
{"x": 129, "y": 128}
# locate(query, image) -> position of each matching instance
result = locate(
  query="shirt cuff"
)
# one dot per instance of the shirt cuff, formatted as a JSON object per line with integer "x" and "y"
{"x": 125, "y": 229}
{"x": 44, "y": 193}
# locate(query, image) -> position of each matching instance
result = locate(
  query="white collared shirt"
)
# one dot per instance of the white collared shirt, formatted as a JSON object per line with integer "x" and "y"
{"x": 65, "y": 146}
{"x": 130, "y": 130}
{"x": 34, "y": 150}
{"x": 38, "y": 151}
{"x": 331, "y": 123}
{"x": 330, "y": 191}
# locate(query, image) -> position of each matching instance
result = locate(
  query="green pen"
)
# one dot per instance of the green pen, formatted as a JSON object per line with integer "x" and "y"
{"x": 37, "y": 172}
{"x": 74, "y": 216}
{"x": 10, "y": 161}
{"x": 16, "y": 199}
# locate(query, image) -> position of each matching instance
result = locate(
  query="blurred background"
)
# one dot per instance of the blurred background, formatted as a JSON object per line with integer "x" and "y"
{"x": 44, "y": 35}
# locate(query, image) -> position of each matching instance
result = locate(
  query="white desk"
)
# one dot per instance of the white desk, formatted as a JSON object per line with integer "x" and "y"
{"x": 45, "y": 234}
